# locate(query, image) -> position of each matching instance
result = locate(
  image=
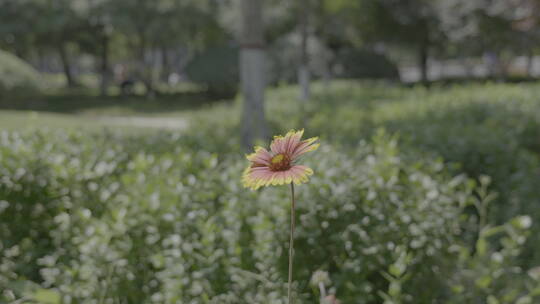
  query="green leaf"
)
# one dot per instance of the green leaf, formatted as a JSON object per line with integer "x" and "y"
{"x": 492, "y": 300}
{"x": 481, "y": 247}
{"x": 458, "y": 289}
{"x": 483, "y": 282}
{"x": 524, "y": 300}
{"x": 397, "y": 269}
{"x": 47, "y": 296}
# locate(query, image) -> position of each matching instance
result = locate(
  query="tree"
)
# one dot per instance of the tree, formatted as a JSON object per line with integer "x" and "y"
{"x": 153, "y": 27}
{"x": 303, "y": 67}
{"x": 252, "y": 71}
{"x": 493, "y": 27}
{"x": 320, "y": 19}
{"x": 330, "y": 25}
{"x": 526, "y": 22}
{"x": 411, "y": 23}
{"x": 47, "y": 25}
{"x": 16, "y": 33}
{"x": 100, "y": 18}
{"x": 59, "y": 27}
{"x": 408, "y": 24}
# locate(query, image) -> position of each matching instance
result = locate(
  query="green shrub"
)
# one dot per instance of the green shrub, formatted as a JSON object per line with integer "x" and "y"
{"x": 16, "y": 76}
{"x": 491, "y": 129}
{"x": 163, "y": 218}
{"x": 157, "y": 219}
{"x": 217, "y": 68}
{"x": 362, "y": 63}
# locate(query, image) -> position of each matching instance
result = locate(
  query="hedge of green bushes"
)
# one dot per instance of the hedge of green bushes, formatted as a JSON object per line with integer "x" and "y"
{"x": 16, "y": 76}
{"x": 491, "y": 129}
{"x": 162, "y": 217}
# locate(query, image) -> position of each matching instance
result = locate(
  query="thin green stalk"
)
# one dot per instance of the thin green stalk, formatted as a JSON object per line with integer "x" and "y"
{"x": 291, "y": 245}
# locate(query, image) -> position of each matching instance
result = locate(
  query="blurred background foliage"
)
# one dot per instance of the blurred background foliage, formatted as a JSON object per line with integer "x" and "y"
{"x": 147, "y": 42}
{"x": 16, "y": 76}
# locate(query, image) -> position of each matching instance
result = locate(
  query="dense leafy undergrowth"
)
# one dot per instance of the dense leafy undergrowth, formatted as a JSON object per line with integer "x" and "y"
{"x": 162, "y": 218}
{"x": 16, "y": 76}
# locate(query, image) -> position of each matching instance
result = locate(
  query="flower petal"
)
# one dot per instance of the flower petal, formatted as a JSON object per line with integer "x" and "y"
{"x": 285, "y": 144}
{"x": 293, "y": 141}
{"x": 278, "y": 145}
{"x": 300, "y": 174}
{"x": 261, "y": 156}
{"x": 255, "y": 177}
{"x": 304, "y": 147}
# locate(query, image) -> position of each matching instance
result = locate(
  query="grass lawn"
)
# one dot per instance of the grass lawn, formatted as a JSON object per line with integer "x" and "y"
{"x": 85, "y": 110}
{"x": 17, "y": 120}
{"x": 12, "y": 120}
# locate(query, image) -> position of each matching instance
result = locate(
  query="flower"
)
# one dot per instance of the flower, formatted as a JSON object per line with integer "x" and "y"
{"x": 278, "y": 166}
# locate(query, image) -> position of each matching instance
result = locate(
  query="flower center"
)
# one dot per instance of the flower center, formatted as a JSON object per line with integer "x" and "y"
{"x": 280, "y": 162}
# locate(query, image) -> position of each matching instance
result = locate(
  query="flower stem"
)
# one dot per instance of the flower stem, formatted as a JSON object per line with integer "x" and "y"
{"x": 291, "y": 245}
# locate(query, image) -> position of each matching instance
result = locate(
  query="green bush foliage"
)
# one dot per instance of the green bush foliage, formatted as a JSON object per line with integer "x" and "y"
{"x": 363, "y": 63}
{"x": 490, "y": 129}
{"x": 16, "y": 76}
{"x": 163, "y": 218}
{"x": 157, "y": 219}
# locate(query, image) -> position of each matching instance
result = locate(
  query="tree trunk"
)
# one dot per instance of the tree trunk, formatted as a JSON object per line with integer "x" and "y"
{"x": 327, "y": 68}
{"x": 145, "y": 69}
{"x": 304, "y": 81}
{"x": 502, "y": 68}
{"x": 252, "y": 71}
{"x": 423, "y": 55}
{"x": 42, "y": 62}
{"x": 165, "y": 66}
{"x": 66, "y": 65}
{"x": 105, "y": 72}
{"x": 303, "y": 69}
{"x": 530, "y": 64}
{"x": 467, "y": 66}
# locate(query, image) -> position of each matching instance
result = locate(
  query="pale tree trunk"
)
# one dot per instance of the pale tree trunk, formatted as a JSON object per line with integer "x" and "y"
{"x": 105, "y": 72}
{"x": 252, "y": 71}
{"x": 530, "y": 64}
{"x": 467, "y": 66}
{"x": 145, "y": 68}
{"x": 423, "y": 53}
{"x": 303, "y": 69}
{"x": 502, "y": 68}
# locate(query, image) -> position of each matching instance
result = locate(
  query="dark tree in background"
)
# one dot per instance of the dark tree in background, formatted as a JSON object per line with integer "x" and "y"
{"x": 411, "y": 24}
{"x": 303, "y": 67}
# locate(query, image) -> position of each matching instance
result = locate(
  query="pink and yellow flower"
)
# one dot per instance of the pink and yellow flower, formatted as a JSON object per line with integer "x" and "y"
{"x": 278, "y": 166}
